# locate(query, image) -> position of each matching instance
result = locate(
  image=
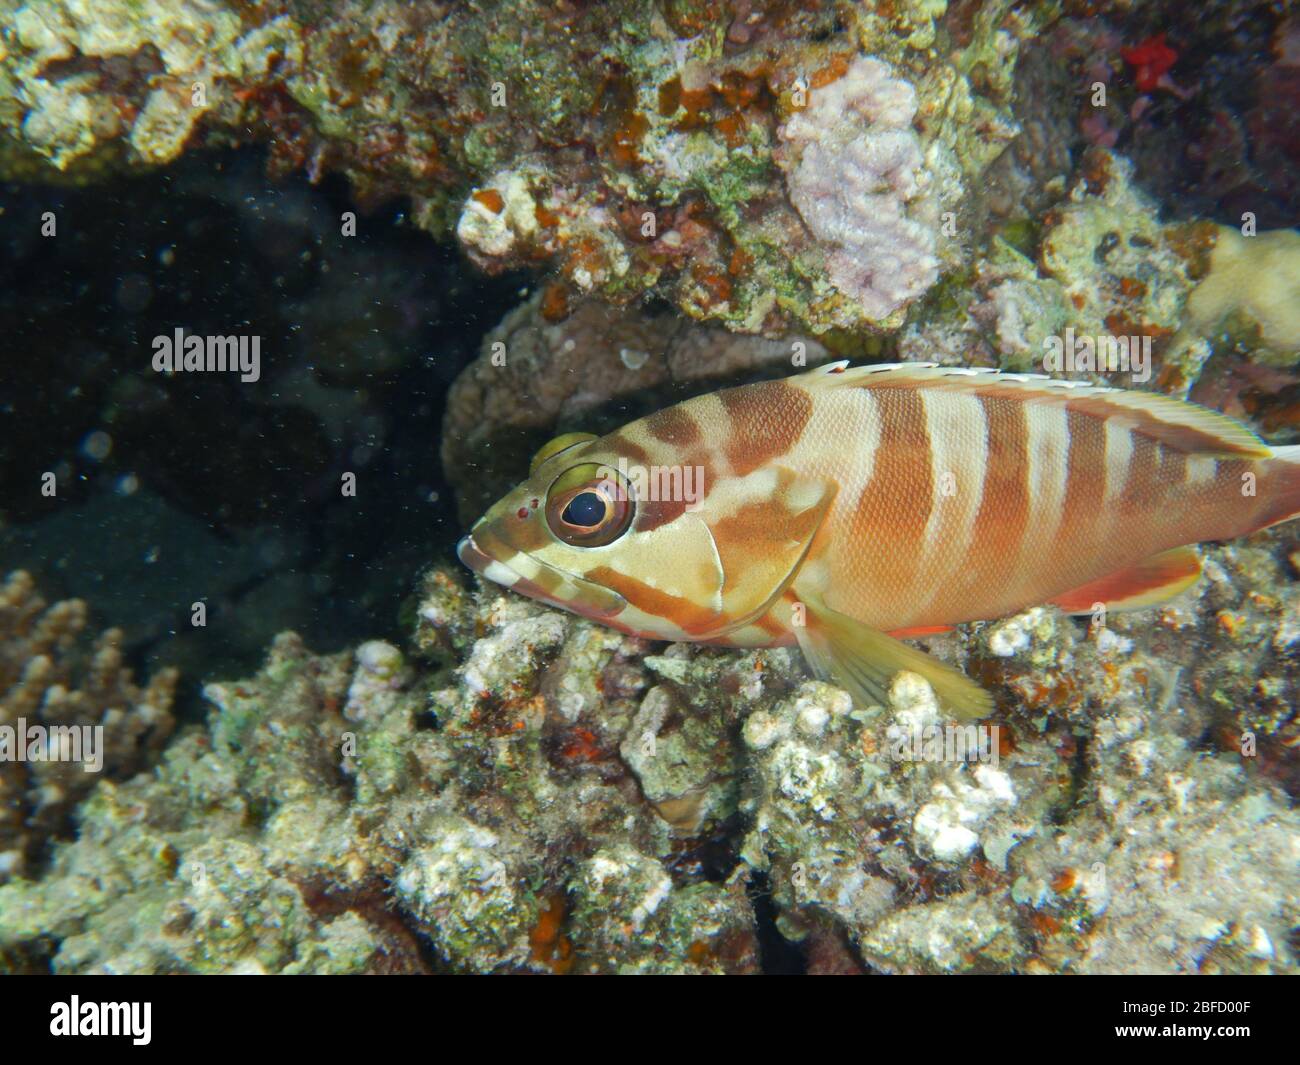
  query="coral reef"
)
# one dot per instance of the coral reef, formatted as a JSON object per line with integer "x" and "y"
{"x": 507, "y": 835}
{"x": 524, "y": 791}
{"x": 1202, "y": 99}
{"x": 637, "y": 147}
{"x": 1098, "y": 264}
{"x": 1102, "y": 264}
{"x": 704, "y": 193}
{"x": 70, "y": 714}
{"x": 766, "y": 167}
{"x": 1255, "y": 282}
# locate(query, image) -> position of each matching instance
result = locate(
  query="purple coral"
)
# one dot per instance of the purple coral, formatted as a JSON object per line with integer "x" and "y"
{"x": 860, "y": 186}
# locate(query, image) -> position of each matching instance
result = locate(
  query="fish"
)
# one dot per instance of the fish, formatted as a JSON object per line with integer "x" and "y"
{"x": 846, "y": 509}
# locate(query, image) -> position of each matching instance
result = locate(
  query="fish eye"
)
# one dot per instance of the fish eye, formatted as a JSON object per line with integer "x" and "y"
{"x": 589, "y": 506}
{"x": 586, "y": 510}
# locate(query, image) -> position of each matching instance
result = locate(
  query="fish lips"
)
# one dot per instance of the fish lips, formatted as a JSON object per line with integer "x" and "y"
{"x": 526, "y": 575}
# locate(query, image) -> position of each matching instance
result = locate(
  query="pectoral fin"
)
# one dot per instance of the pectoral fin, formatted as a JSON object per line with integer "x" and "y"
{"x": 762, "y": 534}
{"x": 1151, "y": 582}
{"x": 864, "y": 661}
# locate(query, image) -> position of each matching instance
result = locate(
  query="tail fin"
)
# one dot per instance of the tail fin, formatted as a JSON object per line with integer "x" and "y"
{"x": 1282, "y": 486}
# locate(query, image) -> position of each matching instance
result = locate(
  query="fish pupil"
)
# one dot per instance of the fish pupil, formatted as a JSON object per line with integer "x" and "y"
{"x": 585, "y": 510}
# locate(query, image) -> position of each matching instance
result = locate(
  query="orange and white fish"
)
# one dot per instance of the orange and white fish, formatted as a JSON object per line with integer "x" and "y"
{"x": 844, "y": 508}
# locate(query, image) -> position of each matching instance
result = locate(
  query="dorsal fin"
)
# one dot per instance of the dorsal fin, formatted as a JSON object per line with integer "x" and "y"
{"x": 1187, "y": 427}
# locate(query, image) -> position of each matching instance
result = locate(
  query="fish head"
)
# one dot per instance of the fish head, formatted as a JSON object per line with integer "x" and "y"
{"x": 581, "y": 534}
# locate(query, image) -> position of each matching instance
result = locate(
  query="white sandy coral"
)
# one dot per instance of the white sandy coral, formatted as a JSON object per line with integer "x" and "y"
{"x": 860, "y": 184}
{"x": 495, "y": 232}
{"x": 948, "y": 826}
{"x": 460, "y": 885}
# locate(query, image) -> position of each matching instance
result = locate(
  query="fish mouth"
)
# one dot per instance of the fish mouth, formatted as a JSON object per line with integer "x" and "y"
{"x": 527, "y": 576}
{"x": 484, "y": 564}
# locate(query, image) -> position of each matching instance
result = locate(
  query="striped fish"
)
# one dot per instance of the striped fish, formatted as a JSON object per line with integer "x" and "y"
{"x": 846, "y": 508}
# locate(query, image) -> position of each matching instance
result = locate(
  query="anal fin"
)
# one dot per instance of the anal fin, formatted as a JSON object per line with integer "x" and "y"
{"x": 1149, "y": 583}
{"x": 864, "y": 661}
{"x": 920, "y": 630}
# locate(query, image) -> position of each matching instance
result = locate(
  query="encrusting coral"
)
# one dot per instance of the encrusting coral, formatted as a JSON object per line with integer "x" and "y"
{"x": 862, "y": 186}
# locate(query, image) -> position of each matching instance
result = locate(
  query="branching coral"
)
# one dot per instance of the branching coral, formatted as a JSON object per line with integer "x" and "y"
{"x": 50, "y": 684}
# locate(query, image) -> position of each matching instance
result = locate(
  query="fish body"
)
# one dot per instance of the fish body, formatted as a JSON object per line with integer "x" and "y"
{"x": 840, "y": 506}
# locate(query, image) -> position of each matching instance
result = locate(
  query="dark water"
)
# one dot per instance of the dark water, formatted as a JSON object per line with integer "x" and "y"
{"x": 179, "y": 489}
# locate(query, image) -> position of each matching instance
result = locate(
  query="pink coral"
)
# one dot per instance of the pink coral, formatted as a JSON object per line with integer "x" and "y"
{"x": 860, "y": 184}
